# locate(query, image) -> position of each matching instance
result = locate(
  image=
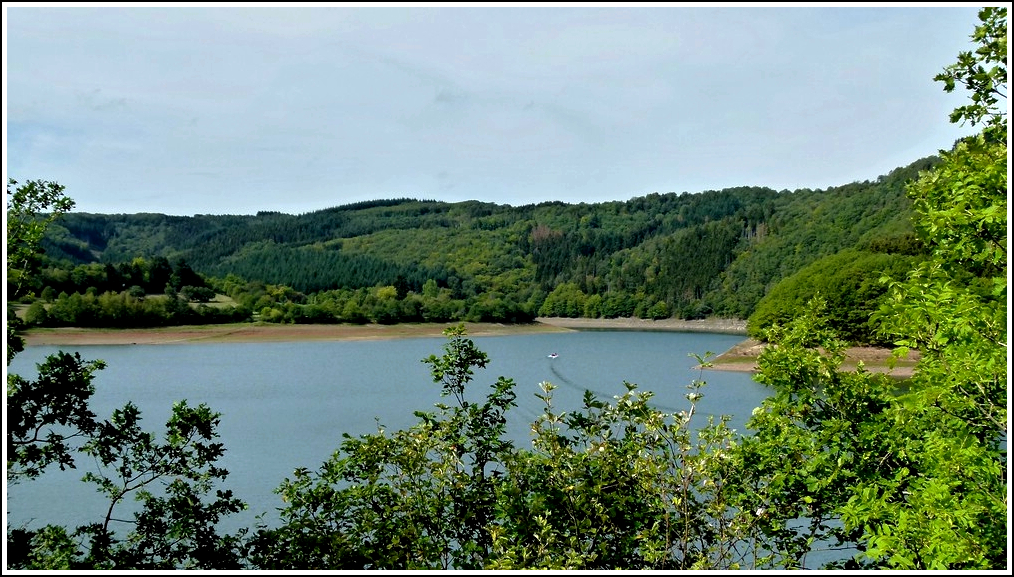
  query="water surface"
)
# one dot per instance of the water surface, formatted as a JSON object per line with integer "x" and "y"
{"x": 286, "y": 405}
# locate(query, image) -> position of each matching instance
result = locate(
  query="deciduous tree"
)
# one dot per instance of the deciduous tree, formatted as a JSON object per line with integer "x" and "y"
{"x": 48, "y": 420}
{"x": 912, "y": 478}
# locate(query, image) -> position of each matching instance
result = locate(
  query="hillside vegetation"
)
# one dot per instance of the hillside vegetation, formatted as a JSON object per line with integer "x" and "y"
{"x": 909, "y": 478}
{"x": 714, "y": 253}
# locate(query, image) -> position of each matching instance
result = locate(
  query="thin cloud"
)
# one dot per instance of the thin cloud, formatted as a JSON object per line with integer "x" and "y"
{"x": 188, "y": 110}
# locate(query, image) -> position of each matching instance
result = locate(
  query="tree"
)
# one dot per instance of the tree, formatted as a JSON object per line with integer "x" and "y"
{"x": 159, "y": 275}
{"x": 949, "y": 512}
{"x": 48, "y": 421}
{"x": 610, "y": 485}
{"x": 821, "y": 433}
{"x": 984, "y": 74}
{"x": 421, "y": 498}
{"x": 624, "y": 485}
{"x": 851, "y": 284}
{"x": 913, "y": 479}
{"x": 44, "y": 415}
{"x": 31, "y": 207}
{"x": 36, "y": 314}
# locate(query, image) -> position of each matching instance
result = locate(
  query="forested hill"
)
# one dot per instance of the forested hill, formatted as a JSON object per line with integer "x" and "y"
{"x": 690, "y": 255}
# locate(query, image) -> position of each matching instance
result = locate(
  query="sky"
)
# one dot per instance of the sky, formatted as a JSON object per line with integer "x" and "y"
{"x": 218, "y": 109}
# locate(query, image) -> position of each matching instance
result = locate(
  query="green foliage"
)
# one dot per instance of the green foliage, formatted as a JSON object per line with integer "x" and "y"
{"x": 151, "y": 276}
{"x": 48, "y": 421}
{"x": 15, "y": 344}
{"x": 49, "y": 548}
{"x": 913, "y": 478}
{"x": 807, "y": 225}
{"x": 36, "y": 314}
{"x": 96, "y": 295}
{"x": 173, "y": 526}
{"x": 614, "y": 485}
{"x": 949, "y": 511}
{"x": 421, "y": 498}
{"x": 45, "y": 415}
{"x": 622, "y": 485}
{"x": 984, "y": 74}
{"x": 815, "y": 437}
{"x": 31, "y": 207}
{"x": 121, "y": 310}
{"x": 566, "y": 300}
{"x": 689, "y": 255}
{"x": 175, "y": 529}
{"x": 692, "y": 262}
{"x": 905, "y": 477}
{"x": 851, "y": 285}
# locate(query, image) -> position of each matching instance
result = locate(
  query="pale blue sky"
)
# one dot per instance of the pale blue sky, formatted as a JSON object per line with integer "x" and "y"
{"x": 224, "y": 110}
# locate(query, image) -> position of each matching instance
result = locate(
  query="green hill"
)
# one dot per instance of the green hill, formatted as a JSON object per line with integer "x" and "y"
{"x": 713, "y": 253}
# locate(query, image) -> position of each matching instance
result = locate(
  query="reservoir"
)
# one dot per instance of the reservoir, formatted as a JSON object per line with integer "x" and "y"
{"x": 285, "y": 405}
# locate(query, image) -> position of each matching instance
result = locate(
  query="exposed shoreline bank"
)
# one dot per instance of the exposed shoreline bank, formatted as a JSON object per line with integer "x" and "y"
{"x": 269, "y": 332}
{"x": 741, "y": 357}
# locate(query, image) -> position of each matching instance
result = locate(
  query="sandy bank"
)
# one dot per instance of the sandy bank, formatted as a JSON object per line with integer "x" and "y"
{"x": 251, "y": 332}
{"x": 254, "y": 332}
{"x": 743, "y": 357}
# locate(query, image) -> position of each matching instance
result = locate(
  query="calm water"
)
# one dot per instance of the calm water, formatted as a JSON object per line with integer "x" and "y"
{"x": 286, "y": 405}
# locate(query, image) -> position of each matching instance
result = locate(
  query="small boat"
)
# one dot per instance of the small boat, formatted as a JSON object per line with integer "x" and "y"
{"x": 553, "y": 356}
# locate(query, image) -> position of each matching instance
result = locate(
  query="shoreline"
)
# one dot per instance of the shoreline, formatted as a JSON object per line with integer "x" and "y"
{"x": 271, "y": 332}
{"x": 742, "y": 357}
{"x": 261, "y": 333}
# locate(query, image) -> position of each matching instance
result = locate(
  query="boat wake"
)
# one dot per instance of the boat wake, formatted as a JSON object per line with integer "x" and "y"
{"x": 600, "y": 395}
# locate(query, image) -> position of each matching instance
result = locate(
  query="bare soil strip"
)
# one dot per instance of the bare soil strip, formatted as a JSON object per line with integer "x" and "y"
{"x": 268, "y": 332}
{"x": 252, "y": 332}
{"x": 742, "y": 357}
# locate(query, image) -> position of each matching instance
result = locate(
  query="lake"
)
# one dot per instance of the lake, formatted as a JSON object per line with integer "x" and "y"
{"x": 286, "y": 405}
